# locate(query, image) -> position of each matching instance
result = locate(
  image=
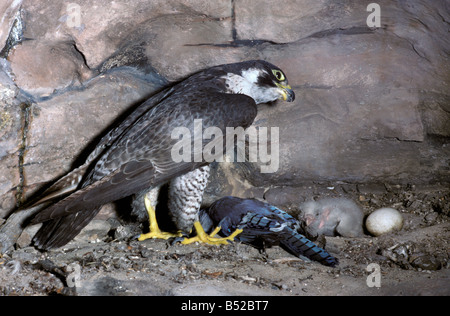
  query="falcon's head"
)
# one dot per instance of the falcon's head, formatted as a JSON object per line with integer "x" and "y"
{"x": 258, "y": 79}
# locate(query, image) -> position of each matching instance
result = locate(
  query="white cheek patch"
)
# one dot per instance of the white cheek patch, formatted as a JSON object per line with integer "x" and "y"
{"x": 251, "y": 75}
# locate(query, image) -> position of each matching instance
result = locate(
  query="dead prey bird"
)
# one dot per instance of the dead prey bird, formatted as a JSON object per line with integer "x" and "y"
{"x": 262, "y": 225}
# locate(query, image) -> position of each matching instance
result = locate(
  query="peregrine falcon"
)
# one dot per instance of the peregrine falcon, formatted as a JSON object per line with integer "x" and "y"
{"x": 136, "y": 154}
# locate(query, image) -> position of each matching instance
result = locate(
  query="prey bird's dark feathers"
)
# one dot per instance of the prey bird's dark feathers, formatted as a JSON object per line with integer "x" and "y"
{"x": 263, "y": 225}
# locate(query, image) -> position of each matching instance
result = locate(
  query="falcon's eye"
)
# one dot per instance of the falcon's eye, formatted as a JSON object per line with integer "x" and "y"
{"x": 279, "y": 75}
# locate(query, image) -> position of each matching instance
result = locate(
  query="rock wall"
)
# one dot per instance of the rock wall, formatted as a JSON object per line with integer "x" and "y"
{"x": 373, "y": 104}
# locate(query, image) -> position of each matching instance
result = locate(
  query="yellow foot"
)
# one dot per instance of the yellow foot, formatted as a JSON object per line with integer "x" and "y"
{"x": 155, "y": 232}
{"x": 158, "y": 235}
{"x": 203, "y": 237}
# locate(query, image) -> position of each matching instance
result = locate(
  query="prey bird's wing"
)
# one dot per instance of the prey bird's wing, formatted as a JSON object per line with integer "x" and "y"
{"x": 264, "y": 224}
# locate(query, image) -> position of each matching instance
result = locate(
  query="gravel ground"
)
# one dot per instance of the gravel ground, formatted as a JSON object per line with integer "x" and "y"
{"x": 103, "y": 261}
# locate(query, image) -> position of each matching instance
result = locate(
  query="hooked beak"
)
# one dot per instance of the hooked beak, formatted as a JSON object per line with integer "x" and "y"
{"x": 287, "y": 94}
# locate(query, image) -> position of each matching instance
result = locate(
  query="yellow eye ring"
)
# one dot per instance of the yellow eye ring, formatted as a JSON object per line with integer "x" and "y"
{"x": 279, "y": 75}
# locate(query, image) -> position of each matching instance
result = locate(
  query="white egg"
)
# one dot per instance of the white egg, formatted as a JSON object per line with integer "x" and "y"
{"x": 384, "y": 221}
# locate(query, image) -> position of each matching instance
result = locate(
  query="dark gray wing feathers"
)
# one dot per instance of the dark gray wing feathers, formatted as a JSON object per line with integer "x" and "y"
{"x": 136, "y": 155}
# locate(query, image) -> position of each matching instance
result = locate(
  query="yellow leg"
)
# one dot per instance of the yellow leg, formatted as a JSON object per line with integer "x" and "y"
{"x": 155, "y": 232}
{"x": 203, "y": 237}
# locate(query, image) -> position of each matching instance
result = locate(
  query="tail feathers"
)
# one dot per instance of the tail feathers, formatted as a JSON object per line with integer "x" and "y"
{"x": 133, "y": 176}
{"x": 300, "y": 245}
{"x": 58, "y": 232}
{"x": 257, "y": 226}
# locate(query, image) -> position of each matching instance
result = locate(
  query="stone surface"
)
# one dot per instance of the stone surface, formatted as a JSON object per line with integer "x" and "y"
{"x": 181, "y": 44}
{"x": 10, "y": 142}
{"x": 100, "y": 27}
{"x": 372, "y": 103}
{"x": 8, "y": 14}
{"x": 294, "y": 20}
{"x": 42, "y": 67}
